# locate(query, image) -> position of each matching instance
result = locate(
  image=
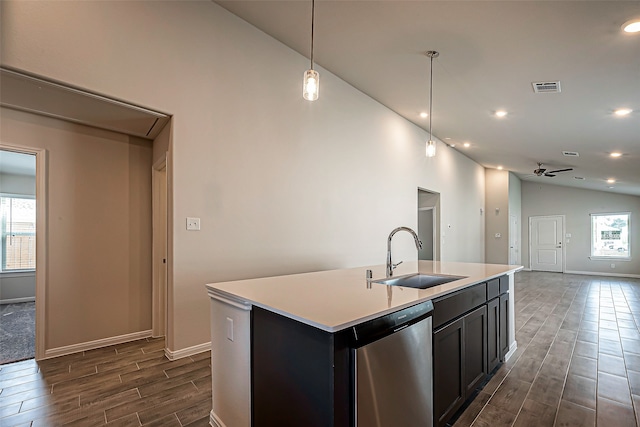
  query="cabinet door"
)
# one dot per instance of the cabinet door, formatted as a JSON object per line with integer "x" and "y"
{"x": 493, "y": 331}
{"x": 475, "y": 349}
{"x": 504, "y": 325}
{"x": 448, "y": 369}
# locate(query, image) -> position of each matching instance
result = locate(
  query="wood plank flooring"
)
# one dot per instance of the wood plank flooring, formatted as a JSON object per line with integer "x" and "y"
{"x": 130, "y": 384}
{"x": 577, "y": 364}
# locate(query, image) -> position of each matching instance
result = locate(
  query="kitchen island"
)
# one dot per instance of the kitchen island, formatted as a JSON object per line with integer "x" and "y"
{"x": 328, "y": 302}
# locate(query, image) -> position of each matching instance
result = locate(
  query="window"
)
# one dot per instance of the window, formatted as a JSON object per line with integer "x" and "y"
{"x": 610, "y": 235}
{"x": 18, "y": 228}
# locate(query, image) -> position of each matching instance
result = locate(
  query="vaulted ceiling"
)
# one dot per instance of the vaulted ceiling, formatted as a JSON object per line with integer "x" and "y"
{"x": 490, "y": 54}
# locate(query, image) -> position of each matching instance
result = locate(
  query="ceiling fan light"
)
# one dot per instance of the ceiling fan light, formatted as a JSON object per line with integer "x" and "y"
{"x": 623, "y": 111}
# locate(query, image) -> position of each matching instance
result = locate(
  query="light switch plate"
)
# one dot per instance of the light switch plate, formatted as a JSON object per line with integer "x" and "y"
{"x": 193, "y": 224}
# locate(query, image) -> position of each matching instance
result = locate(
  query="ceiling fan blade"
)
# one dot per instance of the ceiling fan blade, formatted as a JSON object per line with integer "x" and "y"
{"x": 561, "y": 170}
{"x": 549, "y": 174}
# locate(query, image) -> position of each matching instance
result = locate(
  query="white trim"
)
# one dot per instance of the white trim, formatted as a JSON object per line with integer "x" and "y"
{"x": 41, "y": 241}
{"x": 597, "y": 273}
{"x": 159, "y": 315}
{"x": 12, "y": 274}
{"x": 17, "y": 300}
{"x": 215, "y": 421}
{"x": 90, "y": 345}
{"x": 512, "y": 349}
{"x": 186, "y": 352}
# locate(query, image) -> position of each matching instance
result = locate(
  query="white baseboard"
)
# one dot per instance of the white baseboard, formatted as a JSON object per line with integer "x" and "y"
{"x": 215, "y": 421}
{"x": 512, "y": 349}
{"x": 17, "y": 300}
{"x": 186, "y": 352}
{"x": 595, "y": 273}
{"x": 90, "y": 345}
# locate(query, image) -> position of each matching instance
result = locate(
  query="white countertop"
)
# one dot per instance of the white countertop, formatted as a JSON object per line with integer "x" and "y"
{"x": 337, "y": 299}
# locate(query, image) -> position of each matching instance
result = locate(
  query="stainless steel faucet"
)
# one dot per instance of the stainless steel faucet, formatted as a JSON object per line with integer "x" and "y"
{"x": 390, "y": 265}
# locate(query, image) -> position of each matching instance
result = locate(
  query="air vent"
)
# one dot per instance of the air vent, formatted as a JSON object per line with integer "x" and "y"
{"x": 570, "y": 153}
{"x": 546, "y": 87}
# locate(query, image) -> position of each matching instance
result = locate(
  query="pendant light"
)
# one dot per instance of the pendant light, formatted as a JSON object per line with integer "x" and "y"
{"x": 431, "y": 144}
{"x": 311, "y": 82}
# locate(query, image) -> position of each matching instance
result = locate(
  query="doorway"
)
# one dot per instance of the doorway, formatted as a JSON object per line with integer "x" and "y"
{"x": 22, "y": 255}
{"x": 160, "y": 248}
{"x": 514, "y": 240}
{"x": 546, "y": 251}
{"x": 428, "y": 229}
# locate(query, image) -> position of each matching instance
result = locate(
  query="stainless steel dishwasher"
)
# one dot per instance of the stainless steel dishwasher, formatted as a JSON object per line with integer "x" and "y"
{"x": 392, "y": 358}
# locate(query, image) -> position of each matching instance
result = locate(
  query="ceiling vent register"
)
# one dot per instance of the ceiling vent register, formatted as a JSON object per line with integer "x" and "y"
{"x": 546, "y": 87}
{"x": 570, "y": 153}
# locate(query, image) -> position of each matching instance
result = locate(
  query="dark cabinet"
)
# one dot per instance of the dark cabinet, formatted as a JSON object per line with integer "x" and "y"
{"x": 448, "y": 370}
{"x": 504, "y": 325}
{"x": 494, "y": 344}
{"x": 460, "y": 362}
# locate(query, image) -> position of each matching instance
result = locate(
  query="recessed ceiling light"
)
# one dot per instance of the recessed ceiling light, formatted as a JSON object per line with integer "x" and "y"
{"x": 632, "y": 26}
{"x": 424, "y": 115}
{"x": 611, "y": 180}
{"x": 452, "y": 145}
{"x": 499, "y": 168}
{"x": 467, "y": 145}
{"x": 501, "y": 113}
{"x": 615, "y": 154}
{"x": 447, "y": 138}
{"x": 622, "y": 111}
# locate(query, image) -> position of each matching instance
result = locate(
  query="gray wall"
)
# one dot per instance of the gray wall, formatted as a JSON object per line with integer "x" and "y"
{"x": 17, "y": 287}
{"x": 576, "y": 205}
{"x": 515, "y": 209}
{"x": 281, "y": 185}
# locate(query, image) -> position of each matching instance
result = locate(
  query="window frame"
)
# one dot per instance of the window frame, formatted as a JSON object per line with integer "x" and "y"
{"x": 627, "y": 256}
{"x": 3, "y": 270}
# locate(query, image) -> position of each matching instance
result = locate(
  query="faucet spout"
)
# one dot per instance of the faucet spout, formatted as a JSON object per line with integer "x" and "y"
{"x": 390, "y": 265}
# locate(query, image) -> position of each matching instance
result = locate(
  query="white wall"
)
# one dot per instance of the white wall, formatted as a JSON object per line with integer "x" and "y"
{"x": 281, "y": 185}
{"x": 497, "y": 216}
{"x": 576, "y": 205}
{"x": 515, "y": 209}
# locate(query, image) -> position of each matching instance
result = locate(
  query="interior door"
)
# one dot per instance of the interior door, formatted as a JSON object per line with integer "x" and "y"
{"x": 514, "y": 239}
{"x": 545, "y": 243}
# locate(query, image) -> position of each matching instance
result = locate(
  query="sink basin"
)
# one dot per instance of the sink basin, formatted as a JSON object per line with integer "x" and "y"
{"x": 419, "y": 281}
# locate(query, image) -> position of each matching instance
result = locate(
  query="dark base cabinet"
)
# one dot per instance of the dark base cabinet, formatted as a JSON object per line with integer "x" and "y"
{"x": 470, "y": 341}
{"x": 300, "y": 374}
{"x": 459, "y": 362}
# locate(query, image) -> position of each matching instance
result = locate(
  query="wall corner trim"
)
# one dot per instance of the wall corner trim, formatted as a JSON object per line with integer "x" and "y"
{"x": 90, "y": 345}
{"x": 186, "y": 352}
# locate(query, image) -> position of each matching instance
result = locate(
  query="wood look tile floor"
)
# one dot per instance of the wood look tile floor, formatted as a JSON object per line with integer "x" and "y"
{"x": 130, "y": 384}
{"x": 577, "y": 364}
{"x": 578, "y": 357}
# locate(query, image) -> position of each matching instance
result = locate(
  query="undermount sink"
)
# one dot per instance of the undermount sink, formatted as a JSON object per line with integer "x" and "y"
{"x": 419, "y": 281}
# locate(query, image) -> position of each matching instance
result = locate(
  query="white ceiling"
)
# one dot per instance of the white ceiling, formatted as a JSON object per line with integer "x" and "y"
{"x": 490, "y": 53}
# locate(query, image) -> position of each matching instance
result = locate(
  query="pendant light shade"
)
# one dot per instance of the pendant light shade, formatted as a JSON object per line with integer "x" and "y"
{"x": 431, "y": 144}
{"x": 311, "y": 85}
{"x": 311, "y": 81}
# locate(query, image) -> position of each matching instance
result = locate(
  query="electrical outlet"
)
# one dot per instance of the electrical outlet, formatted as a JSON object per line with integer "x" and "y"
{"x": 498, "y": 235}
{"x": 193, "y": 224}
{"x": 613, "y": 266}
{"x": 229, "y": 329}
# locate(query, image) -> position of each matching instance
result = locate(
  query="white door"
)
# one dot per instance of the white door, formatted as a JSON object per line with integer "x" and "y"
{"x": 514, "y": 240}
{"x": 545, "y": 243}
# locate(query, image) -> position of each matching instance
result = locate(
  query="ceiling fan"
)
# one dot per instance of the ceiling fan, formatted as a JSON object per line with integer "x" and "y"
{"x": 542, "y": 171}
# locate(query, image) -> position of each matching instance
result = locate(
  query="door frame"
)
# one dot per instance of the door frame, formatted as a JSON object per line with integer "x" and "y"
{"x": 41, "y": 240}
{"x": 159, "y": 311}
{"x": 564, "y": 253}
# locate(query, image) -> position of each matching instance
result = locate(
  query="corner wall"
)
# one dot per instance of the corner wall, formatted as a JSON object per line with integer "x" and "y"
{"x": 98, "y": 282}
{"x": 576, "y": 205}
{"x": 281, "y": 185}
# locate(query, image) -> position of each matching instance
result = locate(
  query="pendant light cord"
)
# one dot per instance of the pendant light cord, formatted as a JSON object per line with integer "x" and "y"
{"x": 430, "y": 98}
{"x": 313, "y": 15}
